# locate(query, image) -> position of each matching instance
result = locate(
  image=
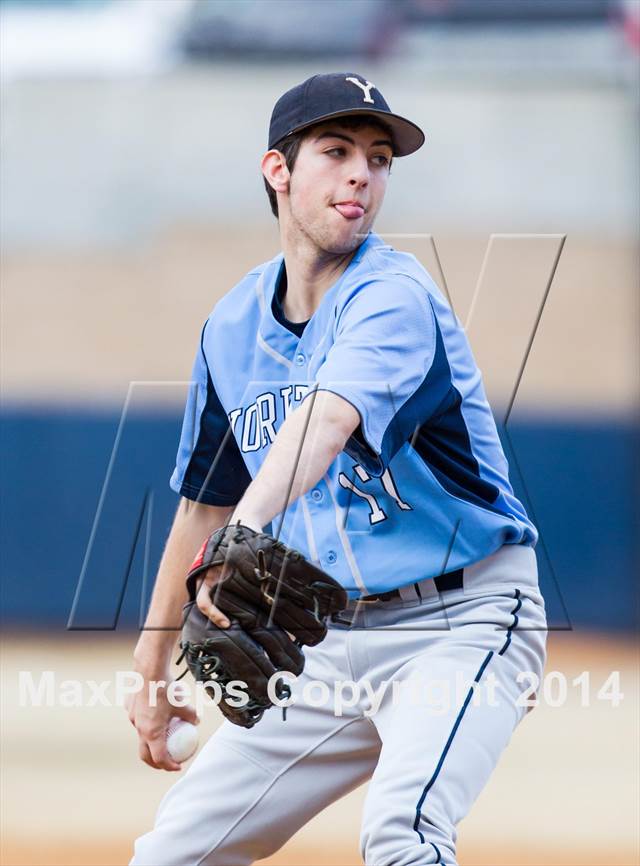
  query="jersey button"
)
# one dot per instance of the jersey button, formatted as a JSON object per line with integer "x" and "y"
{"x": 300, "y": 359}
{"x": 331, "y": 556}
{"x": 316, "y": 495}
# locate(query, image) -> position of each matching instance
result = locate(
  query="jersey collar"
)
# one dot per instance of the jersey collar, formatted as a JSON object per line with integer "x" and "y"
{"x": 273, "y": 336}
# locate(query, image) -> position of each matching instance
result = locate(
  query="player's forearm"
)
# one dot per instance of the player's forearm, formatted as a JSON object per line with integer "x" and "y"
{"x": 306, "y": 445}
{"x": 192, "y": 524}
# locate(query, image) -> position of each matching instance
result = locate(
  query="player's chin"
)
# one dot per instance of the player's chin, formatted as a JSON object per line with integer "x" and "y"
{"x": 346, "y": 238}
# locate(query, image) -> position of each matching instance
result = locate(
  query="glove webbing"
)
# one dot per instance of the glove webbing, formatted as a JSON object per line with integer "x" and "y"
{"x": 209, "y": 666}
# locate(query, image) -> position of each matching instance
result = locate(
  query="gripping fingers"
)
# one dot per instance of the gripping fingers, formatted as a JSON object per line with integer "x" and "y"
{"x": 207, "y": 607}
{"x": 153, "y": 751}
{"x": 144, "y": 753}
{"x": 156, "y": 763}
{"x": 160, "y": 756}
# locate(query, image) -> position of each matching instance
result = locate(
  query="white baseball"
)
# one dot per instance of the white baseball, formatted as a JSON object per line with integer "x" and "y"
{"x": 182, "y": 739}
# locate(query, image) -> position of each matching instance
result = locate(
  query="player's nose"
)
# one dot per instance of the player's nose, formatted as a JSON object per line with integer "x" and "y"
{"x": 359, "y": 171}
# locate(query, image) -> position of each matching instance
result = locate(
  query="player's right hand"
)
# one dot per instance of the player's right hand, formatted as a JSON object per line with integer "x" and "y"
{"x": 151, "y": 723}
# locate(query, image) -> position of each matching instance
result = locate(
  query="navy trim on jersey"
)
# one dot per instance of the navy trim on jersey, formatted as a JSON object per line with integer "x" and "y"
{"x": 359, "y": 449}
{"x": 438, "y": 854}
{"x": 277, "y": 309}
{"x": 514, "y": 624}
{"x": 442, "y": 441}
{"x": 454, "y": 730}
{"x": 216, "y": 473}
{"x": 431, "y": 420}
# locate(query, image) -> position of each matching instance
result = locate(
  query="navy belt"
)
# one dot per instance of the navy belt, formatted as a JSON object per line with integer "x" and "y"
{"x": 444, "y": 582}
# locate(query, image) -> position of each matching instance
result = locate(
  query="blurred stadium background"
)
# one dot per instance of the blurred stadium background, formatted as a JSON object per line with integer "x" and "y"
{"x": 131, "y": 199}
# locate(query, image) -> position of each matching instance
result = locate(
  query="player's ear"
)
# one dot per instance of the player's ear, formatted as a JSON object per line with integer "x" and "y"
{"x": 275, "y": 171}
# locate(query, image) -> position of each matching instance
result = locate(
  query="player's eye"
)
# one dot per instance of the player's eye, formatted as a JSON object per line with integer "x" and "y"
{"x": 381, "y": 160}
{"x": 336, "y": 151}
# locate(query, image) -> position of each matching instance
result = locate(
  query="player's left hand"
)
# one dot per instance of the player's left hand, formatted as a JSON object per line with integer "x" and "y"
{"x": 215, "y": 574}
{"x": 203, "y": 597}
{"x": 246, "y": 519}
{"x": 270, "y": 615}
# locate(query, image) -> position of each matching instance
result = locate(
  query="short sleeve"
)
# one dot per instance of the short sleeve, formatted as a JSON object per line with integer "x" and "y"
{"x": 380, "y": 362}
{"x": 209, "y": 465}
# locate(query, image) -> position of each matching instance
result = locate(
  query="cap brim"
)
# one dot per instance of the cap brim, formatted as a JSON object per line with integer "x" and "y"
{"x": 407, "y": 136}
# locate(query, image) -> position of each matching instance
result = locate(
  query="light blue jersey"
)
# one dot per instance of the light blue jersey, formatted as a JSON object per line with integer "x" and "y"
{"x": 422, "y": 486}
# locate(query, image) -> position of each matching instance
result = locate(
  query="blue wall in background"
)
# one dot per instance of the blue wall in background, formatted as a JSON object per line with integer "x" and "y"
{"x": 580, "y": 483}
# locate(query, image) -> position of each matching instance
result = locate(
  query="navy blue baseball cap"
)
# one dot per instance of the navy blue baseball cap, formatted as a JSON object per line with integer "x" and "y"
{"x": 339, "y": 94}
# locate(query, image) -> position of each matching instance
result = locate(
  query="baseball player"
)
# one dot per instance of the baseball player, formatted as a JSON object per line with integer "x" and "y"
{"x": 337, "y": 404}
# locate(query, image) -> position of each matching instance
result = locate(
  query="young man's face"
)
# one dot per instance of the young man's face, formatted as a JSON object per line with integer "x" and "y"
{"x": 338, "y": 184}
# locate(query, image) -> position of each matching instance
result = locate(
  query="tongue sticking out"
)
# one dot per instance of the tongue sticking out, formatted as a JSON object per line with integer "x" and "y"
{"x": 350, "y": 211}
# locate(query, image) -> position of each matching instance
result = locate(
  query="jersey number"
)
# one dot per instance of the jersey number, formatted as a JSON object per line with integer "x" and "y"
{"x": 376, "y": 512}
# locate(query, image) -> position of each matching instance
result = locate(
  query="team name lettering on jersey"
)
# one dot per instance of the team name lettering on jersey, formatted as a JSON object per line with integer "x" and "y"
{"x": 256, "y": 425}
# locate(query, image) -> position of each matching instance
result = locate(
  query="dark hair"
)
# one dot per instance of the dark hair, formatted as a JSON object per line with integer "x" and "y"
{"x": 289, "y": 147}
